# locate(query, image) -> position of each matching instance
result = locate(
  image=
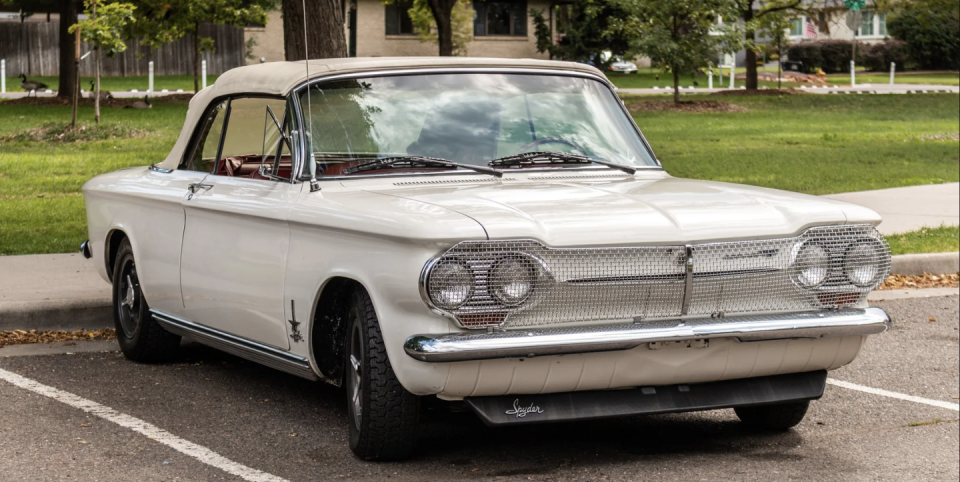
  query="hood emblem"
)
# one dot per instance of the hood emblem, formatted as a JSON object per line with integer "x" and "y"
{"x": 521, "y": 412}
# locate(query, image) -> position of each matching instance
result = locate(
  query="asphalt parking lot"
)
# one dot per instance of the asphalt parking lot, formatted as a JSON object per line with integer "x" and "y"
{"x": 93, "y": 416}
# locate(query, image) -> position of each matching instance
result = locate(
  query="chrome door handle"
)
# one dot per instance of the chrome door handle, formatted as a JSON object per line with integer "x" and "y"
{"x": 194, "y": 187}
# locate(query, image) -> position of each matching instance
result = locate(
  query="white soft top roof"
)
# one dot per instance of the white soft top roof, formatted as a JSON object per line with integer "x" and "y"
{"x": 279, "y": 78}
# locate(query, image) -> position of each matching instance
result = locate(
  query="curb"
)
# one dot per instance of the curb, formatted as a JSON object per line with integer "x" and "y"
{"x": 56, "y": 315}
{"x": 933, "y": 263}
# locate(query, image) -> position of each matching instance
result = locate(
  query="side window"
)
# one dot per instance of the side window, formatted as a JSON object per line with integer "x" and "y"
{"x": 204, "y": 154}
{"x": 252, "y": 138}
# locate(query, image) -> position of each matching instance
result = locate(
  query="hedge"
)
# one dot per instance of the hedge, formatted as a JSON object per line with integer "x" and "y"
{"x": 833, "y": 56}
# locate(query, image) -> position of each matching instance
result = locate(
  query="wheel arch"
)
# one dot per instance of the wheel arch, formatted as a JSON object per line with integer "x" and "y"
{"x": 328, "y": 324}
{"x": 111, "y": 246}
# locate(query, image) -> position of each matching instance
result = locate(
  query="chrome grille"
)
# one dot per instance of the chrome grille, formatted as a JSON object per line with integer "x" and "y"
{"x": 651, "y": 282}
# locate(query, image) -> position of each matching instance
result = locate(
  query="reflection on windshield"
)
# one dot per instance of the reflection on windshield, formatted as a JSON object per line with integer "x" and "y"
{"x": 467, "y": 118}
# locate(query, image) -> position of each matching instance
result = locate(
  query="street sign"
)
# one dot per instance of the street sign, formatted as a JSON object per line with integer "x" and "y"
{"x": 855, "y": 5}
{"x": 854, "y": 19}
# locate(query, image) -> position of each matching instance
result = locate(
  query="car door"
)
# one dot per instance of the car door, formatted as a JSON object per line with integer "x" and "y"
{"x": 236, "y": 236}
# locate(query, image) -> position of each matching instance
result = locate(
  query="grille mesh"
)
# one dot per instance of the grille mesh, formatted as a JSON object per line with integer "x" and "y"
{"x": 650, "y": 282}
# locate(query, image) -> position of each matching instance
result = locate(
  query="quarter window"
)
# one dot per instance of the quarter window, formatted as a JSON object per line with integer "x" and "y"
{"x": 507, "y": 18}
{"x": 204, "y": 155}
{"x": 252, "y": 138}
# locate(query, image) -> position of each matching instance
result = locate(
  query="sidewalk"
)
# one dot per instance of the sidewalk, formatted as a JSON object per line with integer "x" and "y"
{"x": 910, "y": 208}
{"x": 64, "y": 291}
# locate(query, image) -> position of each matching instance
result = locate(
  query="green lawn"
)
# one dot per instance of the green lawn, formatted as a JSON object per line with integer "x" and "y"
{"x": 927, "y": 240}
{"x": 900, "y": 78}
{"x": 806, "y": 143}
{"x": 815, "y": 144}
{"x": 118, "y": 84}
{"x": 41, "y": 207}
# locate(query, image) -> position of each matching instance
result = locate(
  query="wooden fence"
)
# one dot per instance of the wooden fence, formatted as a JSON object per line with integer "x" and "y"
{"x": 32, "y": 48}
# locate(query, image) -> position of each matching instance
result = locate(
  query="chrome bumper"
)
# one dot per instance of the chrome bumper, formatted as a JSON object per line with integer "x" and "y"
{"x": 585, "y": 339}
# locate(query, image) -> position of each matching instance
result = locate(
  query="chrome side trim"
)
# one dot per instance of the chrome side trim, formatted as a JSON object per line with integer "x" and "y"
{"x": 235, "y": 345}
{"x": 623, "y": 336}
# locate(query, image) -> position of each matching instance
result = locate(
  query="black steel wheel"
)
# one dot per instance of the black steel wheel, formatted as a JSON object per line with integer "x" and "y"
{"x": 140, "y": 337}
{"x": 383, "y": 415}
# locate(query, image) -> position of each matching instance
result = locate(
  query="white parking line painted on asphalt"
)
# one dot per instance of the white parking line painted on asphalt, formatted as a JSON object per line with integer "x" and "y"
{"x": 153, "y": 432}
{"x": 900, "y": 396}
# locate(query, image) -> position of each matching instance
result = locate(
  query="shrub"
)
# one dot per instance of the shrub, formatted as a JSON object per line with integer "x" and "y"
{"x": 833, "y": 56}
{"x": 877, "y": 57}
{"x": 932, "y": 37}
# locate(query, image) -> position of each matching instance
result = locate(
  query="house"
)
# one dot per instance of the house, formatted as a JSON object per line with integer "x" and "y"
{"x": 501, "y": 28}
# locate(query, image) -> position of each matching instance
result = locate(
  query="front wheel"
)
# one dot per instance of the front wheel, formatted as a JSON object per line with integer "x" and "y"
{"x": 778, "y": 417}
{"x": 383, "y": 415}
{"x": 141, "y": 338}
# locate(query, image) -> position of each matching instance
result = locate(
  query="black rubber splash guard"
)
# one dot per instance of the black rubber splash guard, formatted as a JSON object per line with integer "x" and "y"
{"x": 556, "y": 407}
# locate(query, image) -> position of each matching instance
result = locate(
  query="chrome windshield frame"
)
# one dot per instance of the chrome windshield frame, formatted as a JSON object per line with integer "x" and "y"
{"x": 296, "y": 91}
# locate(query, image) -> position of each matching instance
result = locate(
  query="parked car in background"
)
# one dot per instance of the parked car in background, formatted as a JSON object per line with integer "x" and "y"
{"x": 491, "y": 232}
{"x": 623, "y": 67}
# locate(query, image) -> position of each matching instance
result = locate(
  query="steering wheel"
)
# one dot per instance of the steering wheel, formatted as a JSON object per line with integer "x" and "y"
{"x": 551, "y": 140}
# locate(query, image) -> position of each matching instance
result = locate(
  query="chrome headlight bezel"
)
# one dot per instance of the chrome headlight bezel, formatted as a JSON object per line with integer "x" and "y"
{"x": 872, "y": 260}
{"x": 799, "y": 265}
{"x": 430, "y": 279}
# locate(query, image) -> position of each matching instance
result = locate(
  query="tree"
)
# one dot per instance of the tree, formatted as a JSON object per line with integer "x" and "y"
{"x": 442, "y": 11}
{"x": 164, "y": 21}
{"x": 931, "y": 29}
{"x": 591, "y": 31}
{"x": 682, "y": 35}
{"x": 775, "y": 26}
{"x": 753, "y": 22}
{"x": 322, "y": 31}
{"x": 461, "y": 24}
{"x": 104, "y": 30}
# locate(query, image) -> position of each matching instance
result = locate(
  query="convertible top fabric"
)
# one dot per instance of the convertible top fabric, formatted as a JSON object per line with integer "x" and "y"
{"x": 279, "y": 78}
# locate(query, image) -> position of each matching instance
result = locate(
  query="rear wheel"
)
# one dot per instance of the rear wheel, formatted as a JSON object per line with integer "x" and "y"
{"x": 383, "y": 415}
{"x": 781, "y": 416}
{"x": 141, "y": 338}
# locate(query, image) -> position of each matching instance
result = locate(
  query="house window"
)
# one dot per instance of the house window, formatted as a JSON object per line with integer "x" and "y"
{"x": 796, "y": 27}
{"x": 398, "y": 18}
{"x": 500, "y": 18}
{"x": 882, "y": 24}
{"x": 822, "y": 23}
{"x": 866, "y": 28}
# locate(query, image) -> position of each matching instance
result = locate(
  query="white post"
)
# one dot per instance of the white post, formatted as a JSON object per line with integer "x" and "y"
{"x": 710, "y": 80}
{"x": 3, "y": 75}
{"x": 150, "y": 77}
{"x": 733, "y": 68}
{"x": 893, "y": 69}
{"x": 853, "y": 74}
{"x": 203, "y": 73}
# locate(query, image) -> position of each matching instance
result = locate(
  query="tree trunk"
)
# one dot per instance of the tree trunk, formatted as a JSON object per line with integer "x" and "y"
{"x": 676, "y": 86}
{"x": 324, "y": 34}
{"x": 96, "y": 93}
{"x": 751, "y": 58}
{"x": 196, "y": 59}
{"x": 68, "y": 68}
{"x": 443, "y": 14}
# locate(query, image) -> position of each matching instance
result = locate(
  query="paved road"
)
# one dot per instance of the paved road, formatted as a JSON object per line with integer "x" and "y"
{"x": 296, "y": 430}
{"x": 910, "y": 208}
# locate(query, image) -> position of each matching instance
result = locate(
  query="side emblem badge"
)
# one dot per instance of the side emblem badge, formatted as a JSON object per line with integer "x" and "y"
{"x": 521, "y": 412}
{"x": 294, "y": 325}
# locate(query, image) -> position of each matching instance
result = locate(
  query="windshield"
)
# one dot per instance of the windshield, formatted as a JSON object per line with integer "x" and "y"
{"x": 465, "y": 118}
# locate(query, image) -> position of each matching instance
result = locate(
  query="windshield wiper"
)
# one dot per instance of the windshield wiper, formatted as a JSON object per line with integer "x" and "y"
{"x": 539, "y": 158}
{"x": 421, "y": 160}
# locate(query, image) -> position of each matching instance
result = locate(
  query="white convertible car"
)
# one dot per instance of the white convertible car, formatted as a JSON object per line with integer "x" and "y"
{"x": 496, "y": 233}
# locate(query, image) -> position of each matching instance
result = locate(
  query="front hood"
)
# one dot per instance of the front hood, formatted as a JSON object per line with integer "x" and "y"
{"x": 658, "y": 209}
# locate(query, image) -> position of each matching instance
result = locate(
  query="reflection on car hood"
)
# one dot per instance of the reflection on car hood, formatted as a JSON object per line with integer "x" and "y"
{"x": 635, "y": 211}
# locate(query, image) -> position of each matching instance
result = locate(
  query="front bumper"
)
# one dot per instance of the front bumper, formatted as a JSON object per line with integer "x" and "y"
{"x": 585, "y": 339}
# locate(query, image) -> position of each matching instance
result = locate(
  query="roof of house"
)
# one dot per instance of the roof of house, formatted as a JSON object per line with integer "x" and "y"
{"x": 279, "y": 78}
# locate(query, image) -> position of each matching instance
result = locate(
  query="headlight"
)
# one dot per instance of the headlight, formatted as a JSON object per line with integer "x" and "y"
{"x": 513, "y": 279}
{"x": 450, "y": 284}
{"x": 861, "y": 263}
{"x": 811, "y": 264}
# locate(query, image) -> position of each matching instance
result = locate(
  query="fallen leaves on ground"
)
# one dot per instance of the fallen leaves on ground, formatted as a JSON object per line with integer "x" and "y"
{"x": 901, "y": 282}
{"x": 687, "y": 106}
{"x": 757, "y": 92}
{"x": 22, "y": 337}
